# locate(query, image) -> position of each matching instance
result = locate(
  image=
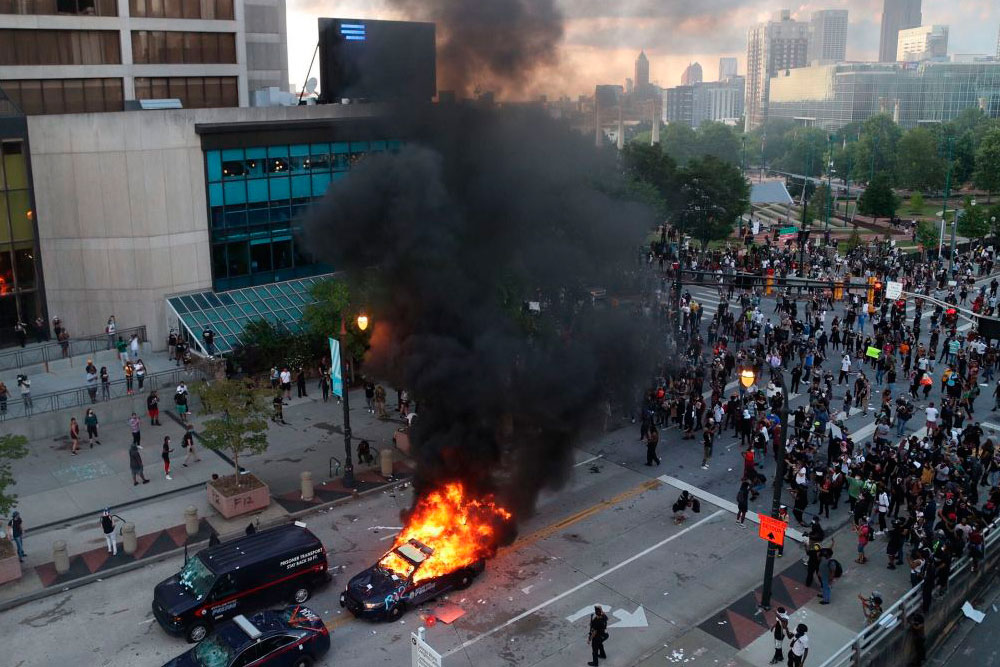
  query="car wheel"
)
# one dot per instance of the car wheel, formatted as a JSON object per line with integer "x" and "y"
{"x": 396, "y": 612}
{"x": 303, "y": 661}
{"x": 464, "y": 581}
{"x": 301, "y": 594}
{"x": 197, "y": 632}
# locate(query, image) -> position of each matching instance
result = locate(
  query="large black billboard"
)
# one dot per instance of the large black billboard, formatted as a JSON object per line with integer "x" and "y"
{"x": 376, "y": 60}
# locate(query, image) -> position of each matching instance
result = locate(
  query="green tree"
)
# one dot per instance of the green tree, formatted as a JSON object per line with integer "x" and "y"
{"x": 987, "y": 173}
{"x": 878, "y": 145}
{"x": 719, "y": 140}
{"x": 973, "y": 220}
{"x": 713, "y": 196}
{"x": 916, "y": 205}
{"x": 878, "y": 199}
{"x": 240, "y": 424}
{"x": 262, "y": 345}
{"x": 651, "y": 176}
{"x": 816, "y": 206}
{"x": 919, "y": 163}
{"x": 927, "y": 234}
{"x": 805, "y": 153}
{"x": 12, "y": 448}
{"x": 680, "y": 142}
{"x": 332, "y": 300}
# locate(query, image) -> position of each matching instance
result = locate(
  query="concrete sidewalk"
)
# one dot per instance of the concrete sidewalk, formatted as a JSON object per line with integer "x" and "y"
{"x": 67, "y": 493}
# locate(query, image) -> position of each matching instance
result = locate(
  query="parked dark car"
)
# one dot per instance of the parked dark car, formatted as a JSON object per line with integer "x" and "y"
{"x": 292, "y": 637}
{"x": 279, "y": 565}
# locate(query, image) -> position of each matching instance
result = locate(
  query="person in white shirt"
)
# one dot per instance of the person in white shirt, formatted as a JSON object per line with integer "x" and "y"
{"x": 932, "y": 417}
{"x": 799, "y": 648}
{"x": 286, "y": 382}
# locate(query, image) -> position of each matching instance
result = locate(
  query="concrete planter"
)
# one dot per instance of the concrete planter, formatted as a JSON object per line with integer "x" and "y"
{"x": 10, "y": 568}
{"x": 229, "y": 501}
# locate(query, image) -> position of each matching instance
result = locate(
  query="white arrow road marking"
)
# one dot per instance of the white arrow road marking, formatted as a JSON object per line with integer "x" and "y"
{"x": 626, "y": 619}
{"x": 589, "y": 609}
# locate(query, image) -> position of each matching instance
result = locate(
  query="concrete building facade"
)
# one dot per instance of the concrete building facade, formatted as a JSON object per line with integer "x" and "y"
{"x": 828, "y": 36}
{"x": 928, "y": 42}
{"x": 896, "y": 15}
{"x": 728, "y": 67}
{"x": 81, "y": 56}
{"x": 775, "y": 46}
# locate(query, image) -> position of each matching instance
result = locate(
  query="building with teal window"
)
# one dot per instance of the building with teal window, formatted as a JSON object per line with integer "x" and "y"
{"x": 257, "y": 197}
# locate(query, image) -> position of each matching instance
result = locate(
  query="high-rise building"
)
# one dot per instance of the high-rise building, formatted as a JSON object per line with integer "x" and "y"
{"x": 728, "y": 67}
{"x": 927, "y": 42}
{"x": 998, "y": 43}
{"x": 699, "y": 102}
{"x": 678, "y": 105}
{"x": 896, "y": 15}
{"x": 828, "y": 36}
{"x": 692, "y": 75}
{"x": 642, "y": 87}
{"x": 772, "y": 47}
{"x": 206, "y": 53}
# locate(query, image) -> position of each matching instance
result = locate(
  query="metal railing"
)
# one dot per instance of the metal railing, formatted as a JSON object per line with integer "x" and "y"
{"x": 80, "y": 397}
{"x": 46, "y": 352}
{"x": 894, "y": 620}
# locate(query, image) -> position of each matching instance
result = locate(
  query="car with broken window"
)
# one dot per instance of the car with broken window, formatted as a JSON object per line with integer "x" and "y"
{"x": 395, "y": 583}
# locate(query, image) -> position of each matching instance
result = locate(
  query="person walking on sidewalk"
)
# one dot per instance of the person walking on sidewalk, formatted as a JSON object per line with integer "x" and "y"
{"x": 15, "y": 528}
{"x": 652, "y": 440}
{"x": 135, "y": 464}
{"x": 153, "y": 408}
{"x": 779, "y": 631}
{"x": 798, "y": 649}
{"x": 187, "y": 442}
{"x": 133, "y": 424}
{"x": 74, "y": 436}
{"x": 181, "y": 401}
{"x": 108, "y": 528}
{"x": 742, "y": 503}
{"x": 598, "y": 635}
{"x": 166, "y": 456}
{"x": 90, "y": 421}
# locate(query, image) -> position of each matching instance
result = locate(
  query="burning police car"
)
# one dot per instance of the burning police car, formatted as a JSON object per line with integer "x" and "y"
{"x": 385, "y": 590}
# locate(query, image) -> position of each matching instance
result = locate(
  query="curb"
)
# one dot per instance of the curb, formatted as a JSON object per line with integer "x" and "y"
{"x": 6, "y": 605}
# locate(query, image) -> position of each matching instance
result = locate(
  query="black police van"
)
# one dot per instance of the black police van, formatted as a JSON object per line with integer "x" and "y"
{"x": 267, "y": 567}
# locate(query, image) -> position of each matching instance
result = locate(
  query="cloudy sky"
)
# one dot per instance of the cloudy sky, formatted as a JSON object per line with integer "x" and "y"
{"x": 602, "y": 37}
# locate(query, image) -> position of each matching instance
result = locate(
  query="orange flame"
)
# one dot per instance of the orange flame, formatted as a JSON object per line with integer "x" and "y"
{"x": 461, "y": 531}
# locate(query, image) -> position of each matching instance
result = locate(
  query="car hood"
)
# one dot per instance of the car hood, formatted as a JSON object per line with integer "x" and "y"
{"x": 173, "y": 598}
{"x": 373, "y": 583}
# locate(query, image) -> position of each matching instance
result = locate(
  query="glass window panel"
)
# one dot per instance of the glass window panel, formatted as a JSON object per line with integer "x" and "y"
{"x": 195, "y": 93}
{"x": 260, "y": 257}
{"x": 4, "y": 220}
{"x": 277, "y": 151}
{"x": 249, "y": 309}
{"x": 215, "y": 194}
{"x": 229, "y": 94}
{"x": 200, "y": 300}
{"x": 359, "y": 146}
{"x": 177, "y": 305}
{"x": 6, "y": 270}
{"x": 114, "y": 95}
{"x": 341, "y": 147}
{"x": 225, "y": 299}
{"x": 73, "y": 91}
{"x": 154, "y": 8}
{"x": 224, "y": 10}
{"x": 232, "y": 154}
{"x": 219, "y": 265}
{"x": 191, "y": 9}
{"x": 299, "y": 164}
{"x": 257, "y": 190}
{"x": 320, "y": 182}
{"x": 280, "y": 189}
{"x": 137, "y": 8}
{"x": 24, "y": 265}
{"x": 256, "y": 152}
{"x": 377, "y": 146}
{"x": 257, "y": 214}
{"x": 239, "y": 296}
{"x": 236, "y": 192}
{"x": 189, "y": 302}
{"x": 301, "y": 186}
{"x": 341, "y": 162}
{"x": 239, "y": 259}
{"x": 93, "y": 94}
{"x": 212, "y": 300}
{"x": 276, "y": 165}
{"x": 282, "y": 251}
{"x": 298, "y": 150}
{"x": 20, "y": 215}
{"x": 281, "y": 215}
{"x": 14, "y": 167}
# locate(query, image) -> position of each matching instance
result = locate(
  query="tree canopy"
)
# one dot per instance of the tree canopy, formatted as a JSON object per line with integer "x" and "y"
{"x": 713, "y": 194}
{"x": 878, "y": 199}
{"x": 239, "y": 424}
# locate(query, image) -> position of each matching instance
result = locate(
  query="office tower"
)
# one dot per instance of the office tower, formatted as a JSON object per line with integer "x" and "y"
{"x": 896, "y": 15}
{"x": 728, "y": 67}
{"x": 928, "y": 42}
{"x": 678, "y": 105}
{"x": 641, "y": 73}
{"x": 107, "y": 52}
{"x": 998, "y": 43}
{"x": 692, "y": 75}
{"x": 772, "y": 47}
{"x": 629, "y": 86}
{"x": 828, "y": 36}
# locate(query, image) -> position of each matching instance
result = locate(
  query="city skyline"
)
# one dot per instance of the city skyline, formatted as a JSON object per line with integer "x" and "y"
{"x": 601, "y": 42}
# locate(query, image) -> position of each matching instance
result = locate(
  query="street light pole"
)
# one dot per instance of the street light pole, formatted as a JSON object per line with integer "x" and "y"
{"x": 779, "y": 478}
{"x": 829, "y": 186}
{"x": 944, "y": 211}
{"x": 362, "y": 323}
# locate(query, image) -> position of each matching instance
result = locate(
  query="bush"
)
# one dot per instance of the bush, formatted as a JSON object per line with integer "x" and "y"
{"x": 916, "y": 203}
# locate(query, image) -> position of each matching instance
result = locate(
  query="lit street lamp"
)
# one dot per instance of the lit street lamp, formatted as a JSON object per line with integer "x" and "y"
{"x": 362, "y": 324}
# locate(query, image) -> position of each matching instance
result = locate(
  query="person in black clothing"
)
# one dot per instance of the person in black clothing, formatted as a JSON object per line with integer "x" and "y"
{"x": 300, "y": 382}
{"x": 208, "y": 337}
{"x": 652, "y": 440}
{"x": 598, "y": 633}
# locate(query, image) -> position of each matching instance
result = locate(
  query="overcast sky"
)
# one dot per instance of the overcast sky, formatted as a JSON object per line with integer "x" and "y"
{"x": 603, "y": 37}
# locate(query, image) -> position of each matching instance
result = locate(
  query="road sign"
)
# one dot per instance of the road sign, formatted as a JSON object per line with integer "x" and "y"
{"x": 772, "y": 530}
{"x": 788, "y": 230}
{"x": 421, "y": 653}
{"x": 893, "y": 290}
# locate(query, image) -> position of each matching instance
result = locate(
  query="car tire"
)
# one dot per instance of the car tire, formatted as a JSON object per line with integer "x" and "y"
{"x": 301, "y": 594}
{"x": 196, "y": 632}
{"x": 465, "y": 581}
{"x": 396, "y": 611}
{"x": 303, "y": 661}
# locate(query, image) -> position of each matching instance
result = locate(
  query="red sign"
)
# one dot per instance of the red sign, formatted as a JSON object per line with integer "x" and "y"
{"x": 772, "y": 530}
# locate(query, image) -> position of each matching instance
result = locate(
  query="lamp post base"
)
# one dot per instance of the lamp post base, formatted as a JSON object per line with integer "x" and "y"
{"x": 349, "y": 480}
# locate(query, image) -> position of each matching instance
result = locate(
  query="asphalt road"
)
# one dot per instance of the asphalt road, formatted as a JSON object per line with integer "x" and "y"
{"x": 606, "y": 538}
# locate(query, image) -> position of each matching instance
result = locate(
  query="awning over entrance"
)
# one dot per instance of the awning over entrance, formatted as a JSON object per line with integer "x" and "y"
{"x": 226, "y": 313}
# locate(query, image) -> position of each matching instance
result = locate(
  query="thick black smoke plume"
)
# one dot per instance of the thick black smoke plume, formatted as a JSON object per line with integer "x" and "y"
{"x": 479, "y": 212}
{"x": 489, "y": 44}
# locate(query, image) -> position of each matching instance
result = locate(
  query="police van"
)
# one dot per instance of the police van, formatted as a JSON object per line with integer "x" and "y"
{"x": 272, "y": 566}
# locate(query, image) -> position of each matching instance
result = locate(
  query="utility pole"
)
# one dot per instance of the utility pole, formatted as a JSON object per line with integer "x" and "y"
{"x": 944, "y": 211}
{"x": 743, "y": 170}
{"x": 780, "y": 446}
{"x": 829, "y": 186}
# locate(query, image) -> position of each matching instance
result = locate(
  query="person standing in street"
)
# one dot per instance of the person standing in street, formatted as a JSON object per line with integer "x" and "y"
{"x": 135, "y": 464}
{"x": 798, "y": 649}
{"x": 15, "y": 528}
{"x": 598, "y": 634}
{"x": 165, "y": 454}
{"x": 652, "y": 440}
{"x": 90, "y": 421}
{"x": 742, "y": 503}
{"x": 187, "y": 442}
{"x": 108, "y": 528}
{"x": 74, "y": 436}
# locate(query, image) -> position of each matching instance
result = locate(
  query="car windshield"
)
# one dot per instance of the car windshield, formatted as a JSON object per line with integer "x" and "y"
{"x": 213, "y": 652}
{"x": 196, "y": 577}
